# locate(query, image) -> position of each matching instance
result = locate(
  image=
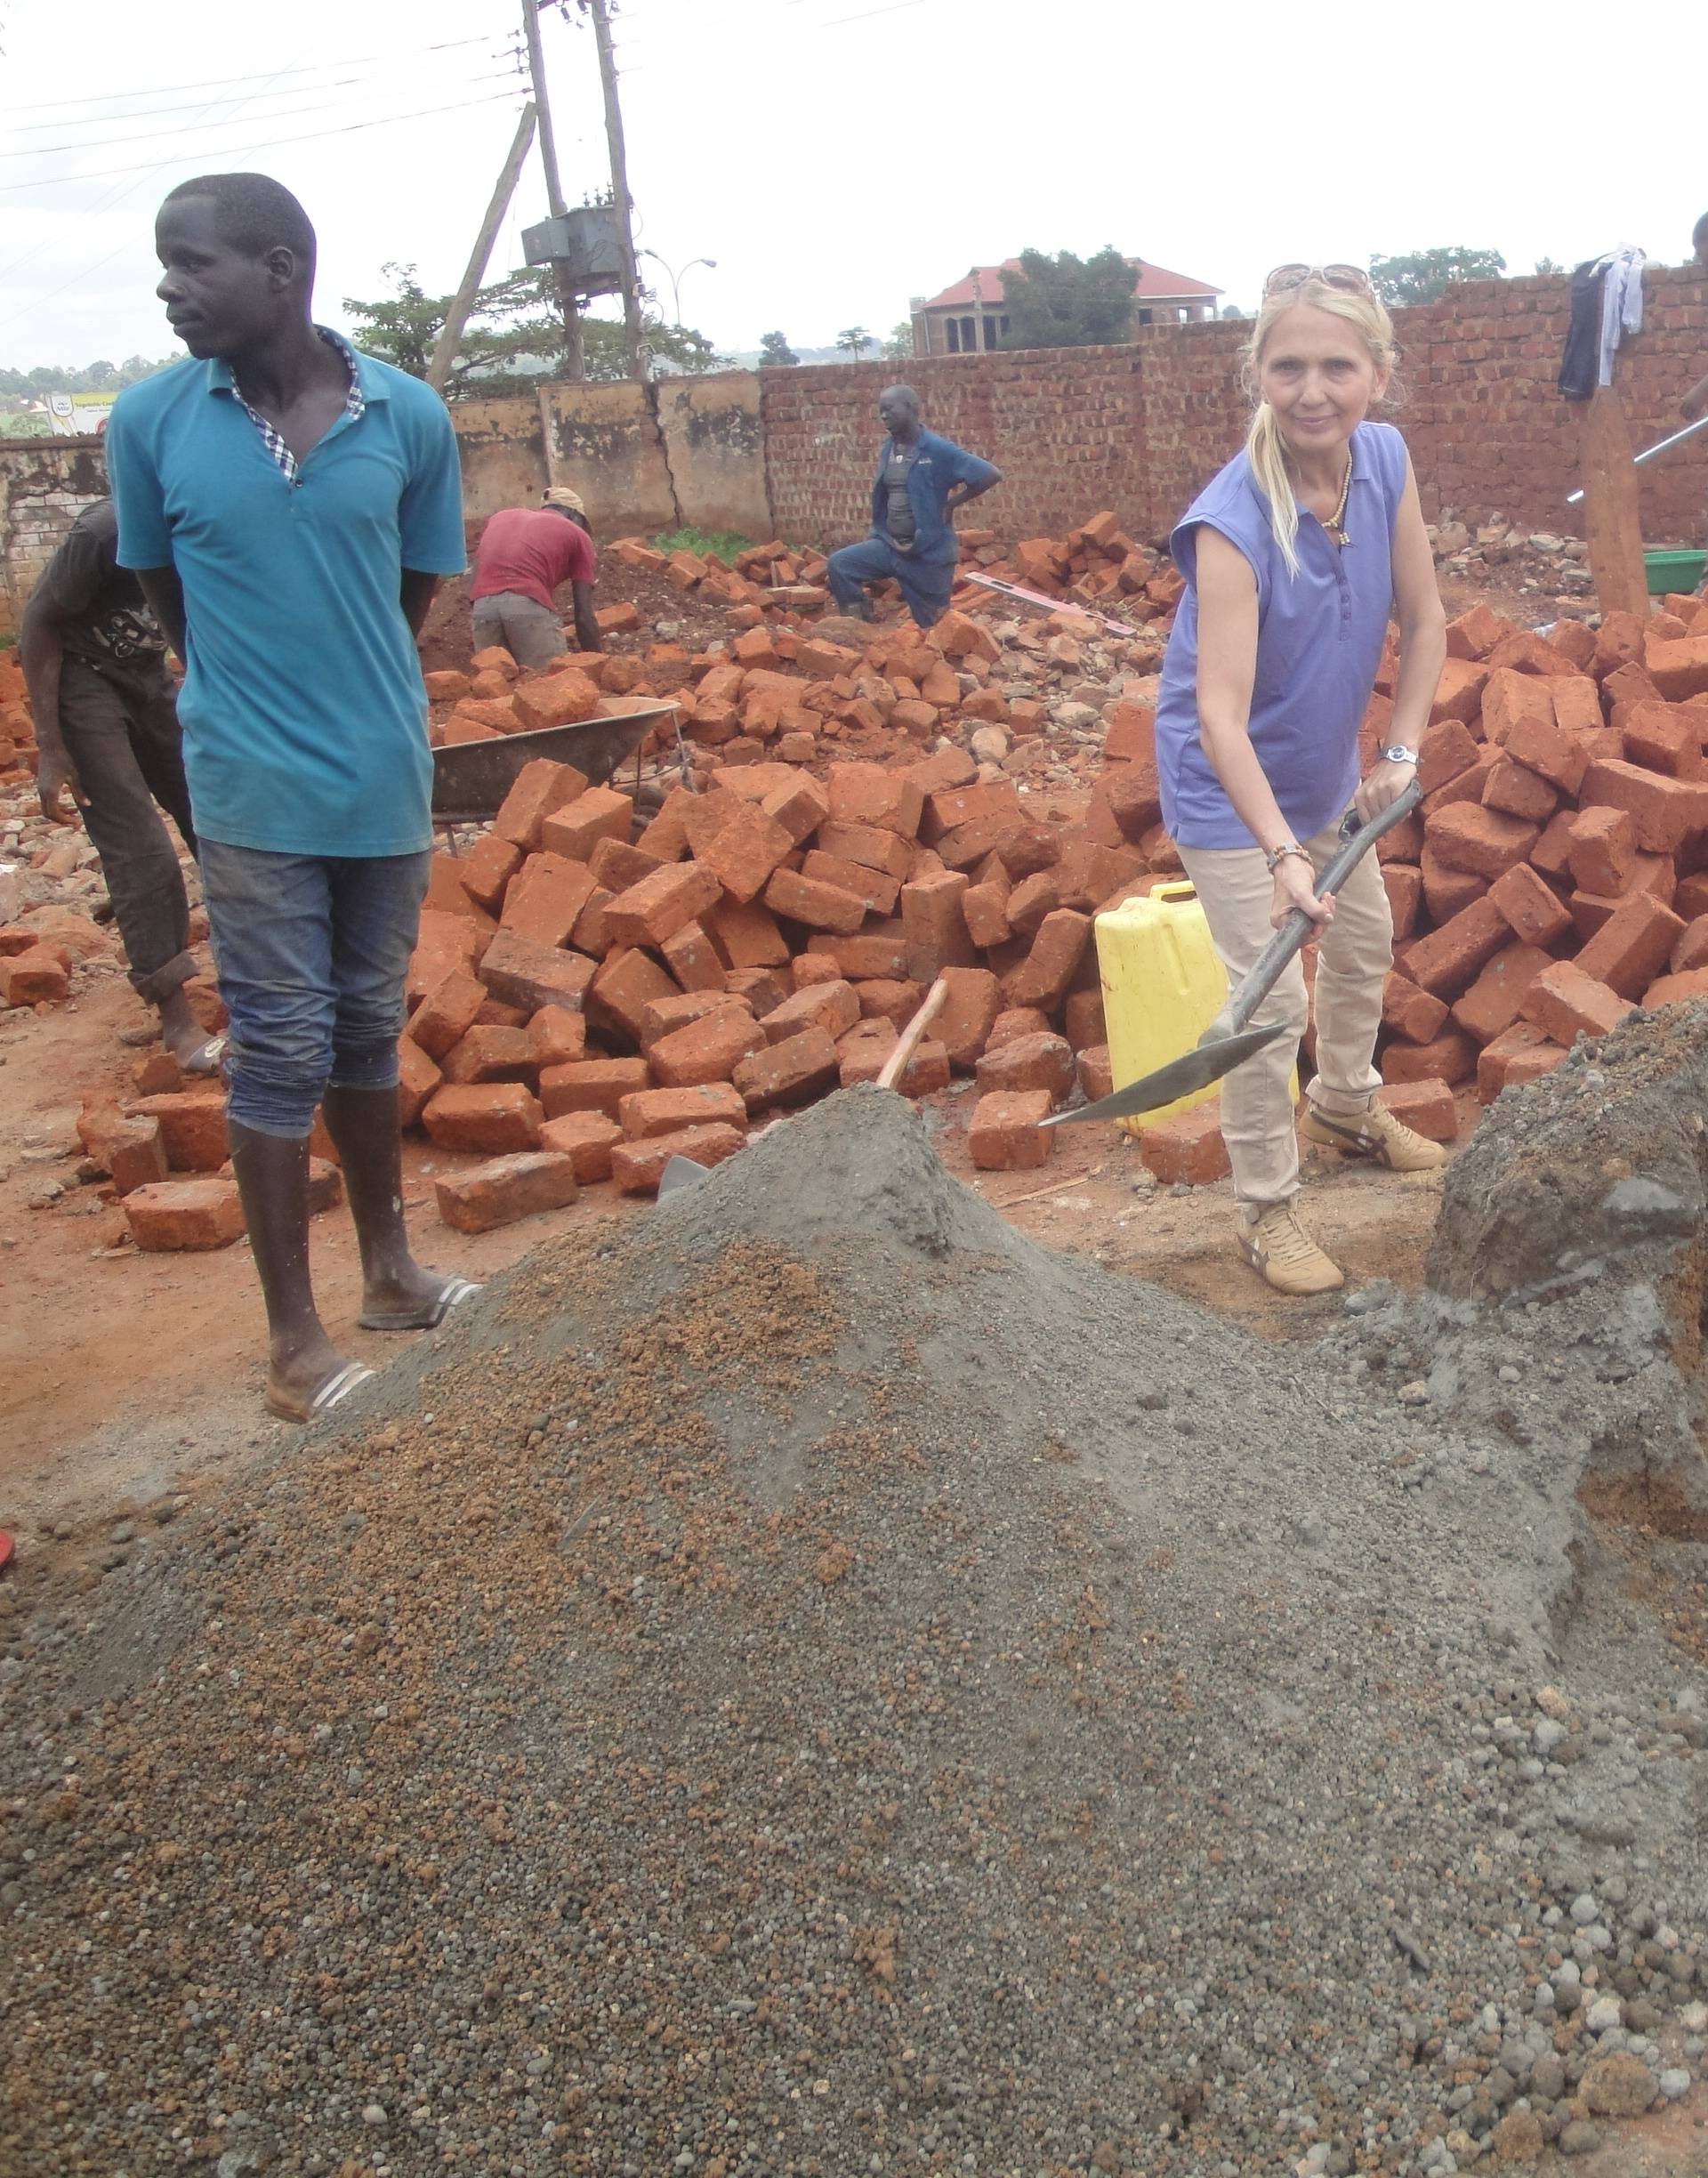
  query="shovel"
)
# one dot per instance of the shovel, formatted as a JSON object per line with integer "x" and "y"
{"x": 1228, "y": 1043}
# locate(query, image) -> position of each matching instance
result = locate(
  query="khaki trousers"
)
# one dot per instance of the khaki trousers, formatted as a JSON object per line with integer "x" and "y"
{"x": 1353, "y": 956}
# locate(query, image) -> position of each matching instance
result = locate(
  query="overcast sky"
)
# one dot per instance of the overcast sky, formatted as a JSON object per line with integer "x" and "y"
{"x": 835, "y": 156}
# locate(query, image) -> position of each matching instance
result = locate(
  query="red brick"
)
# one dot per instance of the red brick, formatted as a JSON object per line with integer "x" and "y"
{"x": 1426, "y": 1107}
{"x": 1564, "y": 1003}
{"x": 558, "y": 1036}
{"x": 820, "y": 906}
{"x": 1520, "y": 1053}
{"x": 1005, "y": 1134}
{"x": 625, "y": 985}
{"x": 1130, "y": 733}
{"x": 1552, "y": 853}
{"x": 761, "y": 989}
{"x": 1603, "y": 850}
{"x": 968, "y": 1014}
{"x": 545, "y": 896}
{"x": 1033, "y": 898}
{"x": 745, "y": 851}
{"x": 586, "y": 1139}
{"x": 1516, "y": 792}
{"x": 863, "y": 793}
{"x": 1495, "y": 999}
{"x": 590, "y": 935}
{"x": 541, "y": 788}
{"x": 1447, "y": 893}
{"x": 934, "y": 928}
{"x": 166, "y": 1215}
{"x": 1481, "y": 841}
{"x": 1535, "y": 911}
{"x": 834, "y": 1006}
{"x": 37, "y": 977}
{"x": 496, "y": 1014}
{"x": 948, "y": 809}
{"x": 1676, "y": 989}
{"x": 1446, "y": 961}
{"x": 678, "y": 1008}
{"x": 1096, "y": 1071}
{"x": 417, "y": 1078}
{"x": 192, "y": 1127}
{"x": 1522, "y": 650}
{"x": 564, "y": 697}
{"x": 1459, "y": 692}
{"x": 1187, "y": 1147}
{"x": 1475, "y": 634}
{"x": 1666, "y": 811}
{"x": 591, "y": 1085}
{"x": 893, "y": 999}
{"x": 129, "y": 1150}
{"x": 1575, "y": 643}
{"x": 1678, "y": 670}
{"x": 1043, "y": 1062}
{"x": 1042, "y": 978}
{"x": 616, "y": 865}
{"x": 707, "y": 1050}
{"x": 1404, "y": 890}
{"x": 1412, "y": 1013}
{"x": 1511, "y": 699}
{"x": 519, "y": 972}
{"x": 693, "y": 960}
{"x": 801, "y": 1066}
{"x": 446, "y": 1013}
{"x": 506, "y": 1190}
{"x": 490, "y": 1054}
{"x": 574, "y": 830}
{"x": 638, "y": 1167}
{"x": 489, "y": 867}
{"x": 1632, "y": 945}
{"x": 869, "y": 845}
{"x": 493, "y": 1117}
{"x": 1017, "y": 1021}
{"x": 1663, "y": 740}
{"x": 1548, "y": 749}
{"x": 984, "y": 908}
{"x": 1691, "y": 949}
{"x": 747, "y": 935}
{"x": 1448, "y": 1057}
{"x": 661, "y": 904}
{"x": 867, "y": 955}
{"x": 879, "y": 891}
{"x": 647, "y": 1112}
{"x": 800, "y": 805}
{"x": 1448, "y": 750}
{"x": 861, "y": 1054}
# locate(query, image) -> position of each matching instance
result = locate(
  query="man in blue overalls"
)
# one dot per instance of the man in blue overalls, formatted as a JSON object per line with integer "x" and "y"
{"x": 923, "y": 481}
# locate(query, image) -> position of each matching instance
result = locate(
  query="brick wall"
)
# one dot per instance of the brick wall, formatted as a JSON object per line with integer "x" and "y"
{"x": 45, "y": 485}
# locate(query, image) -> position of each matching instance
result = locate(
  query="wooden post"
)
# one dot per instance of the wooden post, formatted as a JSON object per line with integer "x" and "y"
{"x": 633, "y": 336}
{"x": 444, "y": 348}
{"x": 1613, "y": 520}
{"x": 575, "y": 363}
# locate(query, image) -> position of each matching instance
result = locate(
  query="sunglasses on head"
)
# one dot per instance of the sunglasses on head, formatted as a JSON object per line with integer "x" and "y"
{"x": 1351, "y": 278}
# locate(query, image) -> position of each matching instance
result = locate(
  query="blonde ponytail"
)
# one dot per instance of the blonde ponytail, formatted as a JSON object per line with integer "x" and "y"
{"x": 1264, "y": 451}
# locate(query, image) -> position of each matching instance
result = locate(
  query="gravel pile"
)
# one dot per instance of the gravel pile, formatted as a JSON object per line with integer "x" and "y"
{"x": 819, "y": 1684}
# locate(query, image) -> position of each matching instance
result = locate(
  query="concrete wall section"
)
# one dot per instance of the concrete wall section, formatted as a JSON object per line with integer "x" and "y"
{"x": 603, "y": 441}
{"x": 45, "y": 485}
{"x": 502, "y": 446}
{"x": 713, "y": 435}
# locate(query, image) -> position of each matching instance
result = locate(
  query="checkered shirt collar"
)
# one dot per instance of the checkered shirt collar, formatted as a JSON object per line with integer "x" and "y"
{"x": 355, "y": 406}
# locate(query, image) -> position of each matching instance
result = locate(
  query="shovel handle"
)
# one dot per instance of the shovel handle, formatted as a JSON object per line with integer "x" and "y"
{"x": 1256, "y": 985}
{"x": 907, "y": 1042}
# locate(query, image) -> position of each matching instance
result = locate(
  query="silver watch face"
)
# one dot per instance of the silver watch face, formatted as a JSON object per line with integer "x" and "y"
{"x": 1399, "y": 755}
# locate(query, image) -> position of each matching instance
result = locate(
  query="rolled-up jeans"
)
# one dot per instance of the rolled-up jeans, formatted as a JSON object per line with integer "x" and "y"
{"x": 1354, "y": 955}
{"x": 312, "y": 953}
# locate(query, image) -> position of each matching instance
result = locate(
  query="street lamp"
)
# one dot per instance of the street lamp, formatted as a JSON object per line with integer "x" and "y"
{"x": 675, "y": 278}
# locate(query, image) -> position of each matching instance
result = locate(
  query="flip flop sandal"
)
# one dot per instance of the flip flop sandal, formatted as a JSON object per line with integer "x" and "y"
{"x": 451, "y": 1295}
{"x": 338, "y": 1386}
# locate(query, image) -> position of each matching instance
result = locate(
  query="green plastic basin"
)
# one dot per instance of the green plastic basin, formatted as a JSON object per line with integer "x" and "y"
{"x": 1673, "y": 570}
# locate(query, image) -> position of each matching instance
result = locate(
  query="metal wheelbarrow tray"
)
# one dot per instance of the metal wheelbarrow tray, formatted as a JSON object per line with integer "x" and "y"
{"x": 471, "y": 779}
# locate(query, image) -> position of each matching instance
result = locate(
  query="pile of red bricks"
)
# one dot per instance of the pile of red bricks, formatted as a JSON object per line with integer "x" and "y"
{"x": 1557, "y": 873}
{"x": 1096, "y": 564}
{"x": 17, "y": 734}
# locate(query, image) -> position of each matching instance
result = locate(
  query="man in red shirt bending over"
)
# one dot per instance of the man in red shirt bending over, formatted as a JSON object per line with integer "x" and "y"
{"x": 523, "y": 555}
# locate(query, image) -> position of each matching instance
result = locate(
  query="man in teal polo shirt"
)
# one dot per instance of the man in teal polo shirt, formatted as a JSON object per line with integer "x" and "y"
{"x": 289, "y": 506}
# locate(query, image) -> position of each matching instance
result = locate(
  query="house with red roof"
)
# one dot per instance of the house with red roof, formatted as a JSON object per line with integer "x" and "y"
{"x": 967, "y": 319}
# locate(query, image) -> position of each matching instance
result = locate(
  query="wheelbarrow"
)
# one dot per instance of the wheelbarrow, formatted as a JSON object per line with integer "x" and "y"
{"x": 471, "y": 779}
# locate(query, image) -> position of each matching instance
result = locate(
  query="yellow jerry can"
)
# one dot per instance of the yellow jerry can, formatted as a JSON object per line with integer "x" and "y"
{"x": 1162, "y": 986}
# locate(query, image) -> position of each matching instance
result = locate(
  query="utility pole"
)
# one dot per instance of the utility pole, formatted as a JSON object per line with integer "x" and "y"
{"x": 632, "y": 336}
{"x": 575, "y": 362}
{"x": 438, "y": 370}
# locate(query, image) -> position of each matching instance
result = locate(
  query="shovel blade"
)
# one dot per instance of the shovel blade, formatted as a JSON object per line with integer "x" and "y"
{"x": 1201, "y": 1066}
{"x": 681, "y": 1172}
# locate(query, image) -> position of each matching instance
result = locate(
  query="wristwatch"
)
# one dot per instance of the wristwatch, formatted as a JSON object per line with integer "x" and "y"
{"x": 1398, "y": 754}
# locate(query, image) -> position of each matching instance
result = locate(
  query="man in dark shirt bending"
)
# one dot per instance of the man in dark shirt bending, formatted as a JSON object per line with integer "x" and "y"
{"x": 106, "y": 718}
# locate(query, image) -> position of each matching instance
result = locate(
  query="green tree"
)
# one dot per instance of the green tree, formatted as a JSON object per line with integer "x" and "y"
{"x": 514, "y": 334}
{"x": 774, "y": 348}
{"x": 1427, "y": 274}
{"x": 899, "y": 346}
{"x": 855, "y": 339}
{"x": 1547, "y": 264}
{"x": 1068, "y": 301}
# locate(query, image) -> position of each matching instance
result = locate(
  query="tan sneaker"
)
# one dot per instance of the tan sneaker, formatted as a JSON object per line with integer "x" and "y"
{"x": 1375, "y": 1134}
{"x": 1277, "y": 1246}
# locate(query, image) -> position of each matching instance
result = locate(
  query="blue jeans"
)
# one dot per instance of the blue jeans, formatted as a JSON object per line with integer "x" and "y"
{"x": 312, "y": 953}
{"x": 925, "y": 589}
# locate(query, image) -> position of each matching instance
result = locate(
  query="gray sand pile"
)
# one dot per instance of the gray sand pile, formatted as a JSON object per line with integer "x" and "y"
{"x": 819, "y": 1684}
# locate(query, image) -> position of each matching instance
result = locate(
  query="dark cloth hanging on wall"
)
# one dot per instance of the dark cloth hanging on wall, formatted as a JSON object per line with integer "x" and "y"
{"x": 1578, "y": 367}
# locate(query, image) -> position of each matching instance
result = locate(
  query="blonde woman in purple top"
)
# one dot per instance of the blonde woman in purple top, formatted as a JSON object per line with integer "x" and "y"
{"x": 1295, "y": 557}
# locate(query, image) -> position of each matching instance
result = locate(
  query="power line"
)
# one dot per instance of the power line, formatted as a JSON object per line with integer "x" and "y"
{"x": 291, "y": 113}
{"x": 270, "y": 143}
{"x": 270, "y": 76}
{"x": 149, "y": 113}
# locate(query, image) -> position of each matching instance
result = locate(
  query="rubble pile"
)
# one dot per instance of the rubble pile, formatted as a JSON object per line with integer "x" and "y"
{"x": 1535, "y": 563}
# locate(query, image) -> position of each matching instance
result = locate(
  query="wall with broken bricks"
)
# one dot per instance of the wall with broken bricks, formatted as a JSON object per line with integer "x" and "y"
{"x": 45, "y": 485}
